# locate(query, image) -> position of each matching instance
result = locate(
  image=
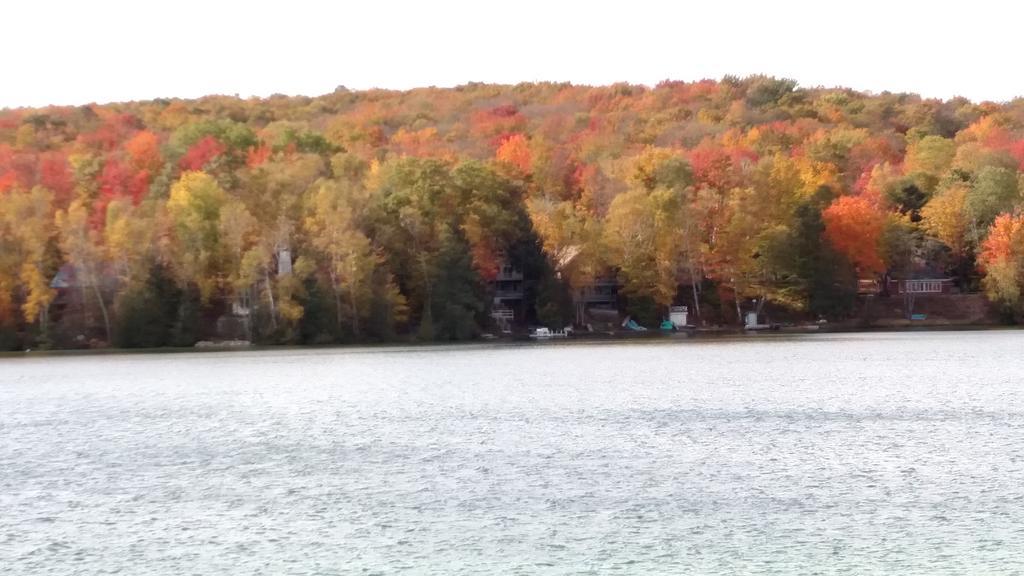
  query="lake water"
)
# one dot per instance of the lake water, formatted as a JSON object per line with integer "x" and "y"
{"x": 859, "y": 454}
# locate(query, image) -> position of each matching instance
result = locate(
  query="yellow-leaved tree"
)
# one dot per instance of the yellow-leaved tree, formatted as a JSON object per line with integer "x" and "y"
{"x": 348, "y": 256}
{"x": 28, "y": 228}
{"x": 194, "y": 208}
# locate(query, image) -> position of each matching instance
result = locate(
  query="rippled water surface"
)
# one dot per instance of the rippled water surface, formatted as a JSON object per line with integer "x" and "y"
{"x": 859, "y": 454}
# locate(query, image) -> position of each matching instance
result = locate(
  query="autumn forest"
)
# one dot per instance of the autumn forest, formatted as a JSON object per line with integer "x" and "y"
{"x": 381, "y": 215}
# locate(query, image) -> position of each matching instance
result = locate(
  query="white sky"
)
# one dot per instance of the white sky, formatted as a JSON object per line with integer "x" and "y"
{"x": 80, "y": 51}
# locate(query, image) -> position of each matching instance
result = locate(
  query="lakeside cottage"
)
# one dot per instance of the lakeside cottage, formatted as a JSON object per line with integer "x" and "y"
{"x": 508, "y": 296}
{"x": 920, "y": 286}
{"x": 601, "y": 295}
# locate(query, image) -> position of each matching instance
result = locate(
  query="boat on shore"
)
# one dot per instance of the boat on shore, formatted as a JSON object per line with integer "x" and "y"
{"x": 544, "y": 333}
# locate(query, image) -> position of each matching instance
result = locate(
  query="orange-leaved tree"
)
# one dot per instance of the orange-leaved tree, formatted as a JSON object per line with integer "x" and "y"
{"x": 999, "y": 258}
{"x": 515, "y": 152}
{"x": 854, "y": 226}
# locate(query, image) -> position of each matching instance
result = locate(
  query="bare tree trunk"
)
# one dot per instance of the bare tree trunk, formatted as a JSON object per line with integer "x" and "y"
{"x": 86, "y": 316}
{"x": 248, "y": 317}
{"x": 694, "y": 280}
{"x": 736, "y": 300}
{"x": 355, "y": 311}
{"x": 44, "y": 322}
{"x": 428, "y": 301}
{"x": 352, "y": 297}
{"x": 337, "y": 295}
{"x": 270, "y": 299}
{"x": 693, "y": 286}
{"x": 337, "y": 304}
{"x": 103, "y": 309}
{"x": 254, "y": 307}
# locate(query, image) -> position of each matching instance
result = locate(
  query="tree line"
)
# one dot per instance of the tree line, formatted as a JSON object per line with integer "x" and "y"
{"x": 375, "y": 215}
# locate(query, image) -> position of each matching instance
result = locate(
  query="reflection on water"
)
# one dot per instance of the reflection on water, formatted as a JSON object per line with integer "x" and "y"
{"x": 891, "y": 453}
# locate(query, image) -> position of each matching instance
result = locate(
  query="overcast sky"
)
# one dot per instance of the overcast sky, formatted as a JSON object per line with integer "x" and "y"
{"x": 80, "y": 51}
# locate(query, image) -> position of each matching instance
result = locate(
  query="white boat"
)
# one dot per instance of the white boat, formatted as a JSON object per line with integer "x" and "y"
{"x": 547, "y": 333}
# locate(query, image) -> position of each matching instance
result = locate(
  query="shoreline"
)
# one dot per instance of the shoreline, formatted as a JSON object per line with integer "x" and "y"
{"x": 651, "y": 336}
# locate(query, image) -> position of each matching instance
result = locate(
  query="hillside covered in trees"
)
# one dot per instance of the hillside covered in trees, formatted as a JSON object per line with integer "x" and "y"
{"x": 373, "y": 215}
